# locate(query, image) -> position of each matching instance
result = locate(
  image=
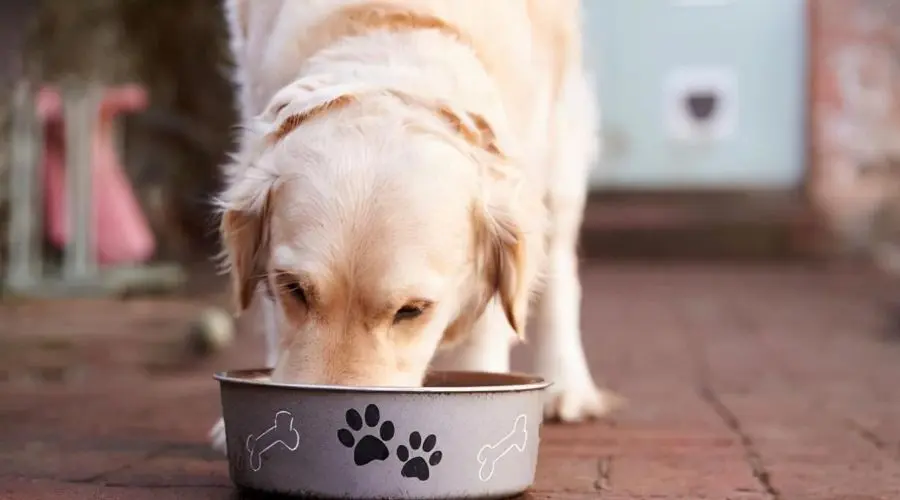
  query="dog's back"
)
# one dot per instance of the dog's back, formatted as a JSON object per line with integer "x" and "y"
{"x": 527, "y": 47}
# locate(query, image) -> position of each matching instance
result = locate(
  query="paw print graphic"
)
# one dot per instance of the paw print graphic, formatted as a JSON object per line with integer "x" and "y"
{"x": 414, "y": 463}
{"x": 370, "y": 447}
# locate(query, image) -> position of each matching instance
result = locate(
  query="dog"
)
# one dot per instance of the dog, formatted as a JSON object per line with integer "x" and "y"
{"x": 409, "y": 175}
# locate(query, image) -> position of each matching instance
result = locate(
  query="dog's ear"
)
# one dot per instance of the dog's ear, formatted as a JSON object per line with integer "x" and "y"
{"x": 501, "y": 251}
{"x": 500, "y": 234}
{"x": 246, "y": 204}
{"x": 506, "y": 257}
{"x": 245, "y": 208}
{"x": 500, "y": 237}
{"x": 501, "y": 256}
{"x": 245, "y": 235}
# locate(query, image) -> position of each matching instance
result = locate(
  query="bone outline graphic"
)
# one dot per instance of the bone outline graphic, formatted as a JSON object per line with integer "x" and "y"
{"x": 251, "y": 450}
{"x": 488, "y": 466}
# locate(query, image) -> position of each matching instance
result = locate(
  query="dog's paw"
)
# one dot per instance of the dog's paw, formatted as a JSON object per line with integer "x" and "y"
{"x": 217, "y": 437}
{"x": 575, "y": 403}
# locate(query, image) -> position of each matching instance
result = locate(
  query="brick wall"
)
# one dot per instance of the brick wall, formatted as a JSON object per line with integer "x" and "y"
{"x": 855, "y": 119}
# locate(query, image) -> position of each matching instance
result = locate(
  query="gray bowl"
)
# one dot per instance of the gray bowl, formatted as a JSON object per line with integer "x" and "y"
{"x": 464, "y": 434}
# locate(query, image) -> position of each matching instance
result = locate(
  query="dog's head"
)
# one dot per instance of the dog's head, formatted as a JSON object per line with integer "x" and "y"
{"x": 381, "y": 224}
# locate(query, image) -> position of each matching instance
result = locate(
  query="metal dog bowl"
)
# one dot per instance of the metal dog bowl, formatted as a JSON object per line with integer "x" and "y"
{"x": 464, "y": 434}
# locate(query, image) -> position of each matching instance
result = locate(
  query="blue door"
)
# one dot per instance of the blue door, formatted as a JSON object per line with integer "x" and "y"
{"x": 699, "y": 93}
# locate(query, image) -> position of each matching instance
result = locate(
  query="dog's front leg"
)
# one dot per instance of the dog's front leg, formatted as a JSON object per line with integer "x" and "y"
{"x": 486, "y": 348}
{"x": 217, "y": 435}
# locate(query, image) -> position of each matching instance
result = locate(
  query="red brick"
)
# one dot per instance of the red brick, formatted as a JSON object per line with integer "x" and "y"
{"x": 41, "y": 489}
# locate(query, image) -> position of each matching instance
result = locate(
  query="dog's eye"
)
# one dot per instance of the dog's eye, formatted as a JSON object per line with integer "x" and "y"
{"x": 407, "y": 312}
{"x": 296, "y": 292}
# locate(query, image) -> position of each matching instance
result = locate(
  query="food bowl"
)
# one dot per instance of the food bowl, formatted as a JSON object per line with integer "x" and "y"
{"x": 462, "y": 435}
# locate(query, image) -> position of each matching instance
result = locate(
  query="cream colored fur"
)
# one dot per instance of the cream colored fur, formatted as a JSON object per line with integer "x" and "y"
{"x": 427, "y": 154}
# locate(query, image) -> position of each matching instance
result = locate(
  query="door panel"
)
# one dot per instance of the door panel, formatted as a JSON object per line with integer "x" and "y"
{"x": 699, "y": 93}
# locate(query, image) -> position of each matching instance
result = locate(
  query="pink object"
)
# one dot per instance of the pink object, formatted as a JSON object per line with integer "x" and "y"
{"x": 121, "y": 232}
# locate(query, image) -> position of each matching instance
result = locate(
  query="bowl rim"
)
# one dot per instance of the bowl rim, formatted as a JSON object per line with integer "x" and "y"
{"x": 520, "y": 382}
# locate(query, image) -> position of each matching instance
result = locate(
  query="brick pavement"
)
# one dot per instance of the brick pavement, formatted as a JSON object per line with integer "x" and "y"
{"x": 745, "y": 383}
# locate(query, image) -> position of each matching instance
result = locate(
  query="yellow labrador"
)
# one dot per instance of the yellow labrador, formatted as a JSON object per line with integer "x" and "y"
{"x": 410, "y": 174}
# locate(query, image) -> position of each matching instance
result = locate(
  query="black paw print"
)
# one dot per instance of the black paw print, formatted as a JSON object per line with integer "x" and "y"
{"x": 417, "y": 466}
{"x": 369, "y": 448}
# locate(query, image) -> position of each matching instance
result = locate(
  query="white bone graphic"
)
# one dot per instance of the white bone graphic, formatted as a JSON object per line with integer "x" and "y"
{"x": 282, "y": 432}
{"x": 489, "y": 454}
